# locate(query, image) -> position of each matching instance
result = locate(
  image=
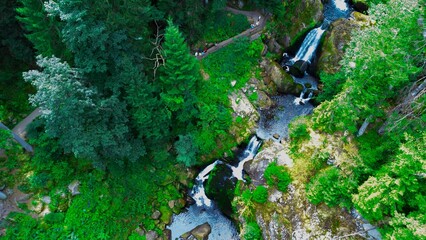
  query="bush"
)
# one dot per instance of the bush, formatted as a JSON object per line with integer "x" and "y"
{"x": 298, "y": 131}
{"x": 252, "y": 232}
{"x": 331, "y": 188}
{"x": 54, "y": 217}
{"x": 260, "y": 194}
{"x": 277, "y": 176}
{"x": 225, "y": 25}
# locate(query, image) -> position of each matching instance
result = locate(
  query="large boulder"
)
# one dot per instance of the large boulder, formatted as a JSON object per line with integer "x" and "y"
{"x": 263, "y": 101}
{"x": 339, "y": 36}
{"x": 243, "y": 111}
{"x": 283, "y": 81}
{"x": 301, "y": 16}
{"x": 201, "y": 232}
{"x": 299, "y": 68}
{"x": 74, "y": 187}
{"x": 271, "y": 151}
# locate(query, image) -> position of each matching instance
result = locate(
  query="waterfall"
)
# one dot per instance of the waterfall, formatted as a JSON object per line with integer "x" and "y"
{"x": 309, "y": 45}
{"x": 248, "y": 155}
{"x": 204, "y": 209}
{"x": 341, "y": 5}
{"x": 198, "y": 192}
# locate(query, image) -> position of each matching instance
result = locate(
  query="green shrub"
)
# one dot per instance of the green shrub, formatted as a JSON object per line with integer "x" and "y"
{"x": 331, "y": 188}
{"x": 277, "y": 176}
{"x": 225, "y": 25}
{"x": 298, "y": 130}
{"x": 252, "y": 232}
{"x": 54, "y": 218}
{"x": 260, "y": 194}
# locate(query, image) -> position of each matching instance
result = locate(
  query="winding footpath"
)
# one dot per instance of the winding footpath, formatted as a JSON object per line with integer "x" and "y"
{"x": 252, "y": 33}
{"x": 20, "y": 130}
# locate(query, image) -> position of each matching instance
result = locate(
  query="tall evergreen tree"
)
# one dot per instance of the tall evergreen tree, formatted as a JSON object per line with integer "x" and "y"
{"x": 179, "y": 77}
{"x": 42, "y": 30}
{"x": 89, "y": 126}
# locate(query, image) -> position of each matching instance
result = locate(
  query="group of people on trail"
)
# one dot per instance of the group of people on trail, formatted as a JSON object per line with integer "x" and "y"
{"x": 253, "y": 25}
{"x": 201, "y": 52}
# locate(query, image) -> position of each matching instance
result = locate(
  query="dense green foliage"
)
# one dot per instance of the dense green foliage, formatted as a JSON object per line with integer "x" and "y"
{"x": 17, "y": 55}
{"x": 277, "y": 176}
{"x": 225, "y": 25}
{"x": 380, "y": 61}
{"x": 260, "y": 194}
{"x": 381, "y": 69}
{"x": 123, "y": 105}
{"x": 125, "y": 196}
{"x": 252, "y": 232}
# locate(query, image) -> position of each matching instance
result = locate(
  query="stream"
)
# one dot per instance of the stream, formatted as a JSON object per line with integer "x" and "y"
{"x": 204, "y": 209}
{"x": 273, "y": 124}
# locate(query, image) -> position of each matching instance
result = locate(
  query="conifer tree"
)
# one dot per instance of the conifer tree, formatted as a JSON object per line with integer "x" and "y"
{"x": 85, "y": 124}
{"x": 179, "y": 77}
{"x": 43, "y": 31}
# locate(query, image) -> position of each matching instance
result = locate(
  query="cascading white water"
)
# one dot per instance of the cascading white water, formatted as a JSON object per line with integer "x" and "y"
{"x": 198, "y": 193}
{"x": 248, "y": 155}
{"x": 205, "y": 210}
{"x": 309, "y": 45}
{"x": 341, "y": 5}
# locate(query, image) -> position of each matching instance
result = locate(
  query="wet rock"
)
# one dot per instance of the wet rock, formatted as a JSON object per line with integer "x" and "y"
{"x": 243, "y": 109}
{"x": 283, "y": 81}
{"x": 156, "y": 215}
{"x": 3, "y": 196}
{"x": 46, "y": 199}
{"x": 272, "y": 151}
{"x": 201, "y": 232}
{"x": 189, "y": 200}
{"x": 263, "y": 101}
{"x": 276, "y": 136}
{"x": 299, "y": 68}
{"x": 23, "y": 198}
{"x": 360, "y": 5}
{"x": 140, "y": 231}
{"x": 171, "y": 203}
{"x": 273, "y": 45}
{"x": 337, "y": 37}
{"x": 242, "y": 106}
{"x": 167, "y": 234}
{"x": 151, "y": 235}
{"x": 74, "y": 187}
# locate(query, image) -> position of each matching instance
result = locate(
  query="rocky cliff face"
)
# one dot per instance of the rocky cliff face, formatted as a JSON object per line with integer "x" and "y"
{"x": 337, "y": 38}
{"x": 289, "y": 215}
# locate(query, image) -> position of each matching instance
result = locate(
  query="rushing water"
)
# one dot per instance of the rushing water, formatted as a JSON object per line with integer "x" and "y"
{"x": 309, "y": 45}
{"x": 204, "y": 209}
{"x": 273, "y": 121}
{"x": 333, "y": 10}
{"x": 276, "y": 120}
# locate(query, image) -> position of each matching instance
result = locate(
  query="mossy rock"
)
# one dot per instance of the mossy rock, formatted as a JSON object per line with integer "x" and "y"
{"x": 283, "y": 81}
{"x": 166, "y": 214}
{"x": 220, "y": 187}
{"x": 337, "y": 38}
